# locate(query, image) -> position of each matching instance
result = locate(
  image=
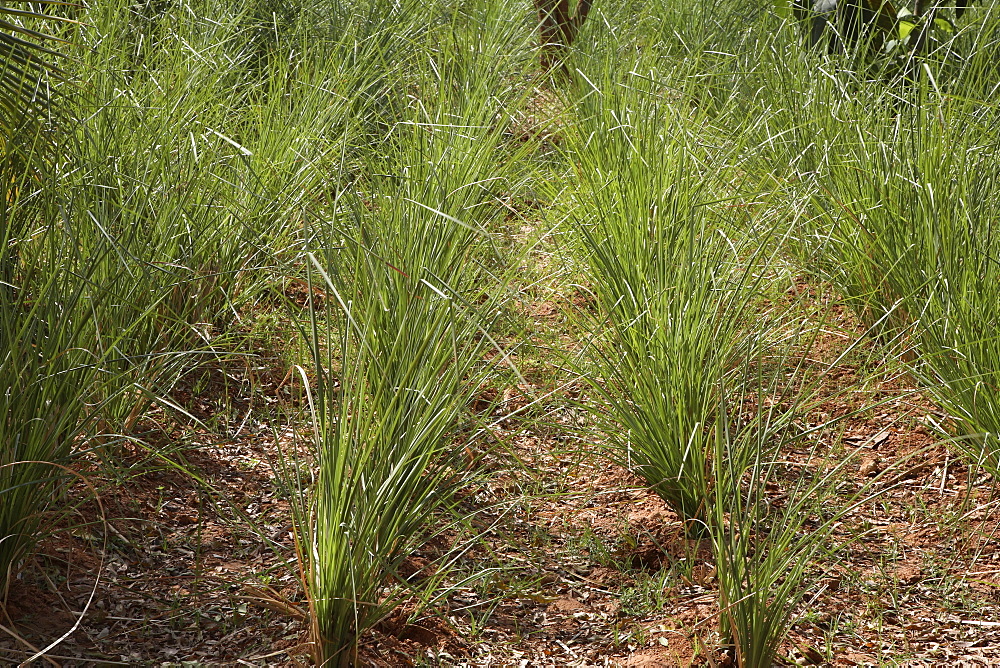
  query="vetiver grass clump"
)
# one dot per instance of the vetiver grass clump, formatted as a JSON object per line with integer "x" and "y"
{"x": 698, "y": 366}
{"x": 409, "y": 269}
{"x": 396, "y": 363}
{"x": 185, "y": 182}
{"x": 918, "y": 233}
{"x": 50, "y": 368}
{"x": 672, "y": 280}
{"x": 900, "y": 215}
{"x": 203, "y": 147}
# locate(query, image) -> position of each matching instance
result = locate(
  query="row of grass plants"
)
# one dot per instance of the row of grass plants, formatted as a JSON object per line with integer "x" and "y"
{"x": 691, "y": 160}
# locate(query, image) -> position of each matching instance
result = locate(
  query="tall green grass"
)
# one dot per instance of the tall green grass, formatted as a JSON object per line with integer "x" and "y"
{"x": 216, "y": 145}
{"x": 413, "y": 283}
{"x": 675, "y": 281}
{"x": 49, "y": 367}
{"x": 698, "y": 360}
{"x": 387, "y": 402}
{"x": 194, "y": 145}
{"x": 916, "y": 241}
{"x": 901, "y": 216}
{"x": 365, "y": 144}
{"x": 396, "y": 362}
{"x": 184, "y": 182}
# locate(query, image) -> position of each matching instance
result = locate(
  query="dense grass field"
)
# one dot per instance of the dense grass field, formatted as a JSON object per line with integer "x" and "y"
{"x": 357, "y": 332}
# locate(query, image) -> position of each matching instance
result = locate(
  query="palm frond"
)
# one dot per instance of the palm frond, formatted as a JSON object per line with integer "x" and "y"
{"x": 27, "y": 69}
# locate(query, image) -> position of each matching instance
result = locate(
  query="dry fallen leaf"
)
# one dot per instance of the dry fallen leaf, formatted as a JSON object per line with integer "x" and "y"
{"x": 869, "y": 467}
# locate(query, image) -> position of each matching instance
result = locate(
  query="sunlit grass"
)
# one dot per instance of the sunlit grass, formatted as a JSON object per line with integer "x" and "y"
{"x": 701, "y": 160}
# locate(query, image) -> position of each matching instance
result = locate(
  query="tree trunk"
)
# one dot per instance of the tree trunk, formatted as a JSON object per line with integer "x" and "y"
{"x": 558, "y": 27}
